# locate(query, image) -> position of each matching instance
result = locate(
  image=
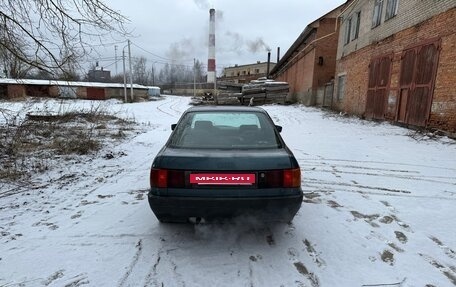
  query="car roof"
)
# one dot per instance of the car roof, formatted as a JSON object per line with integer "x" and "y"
{"x": 225, "y": 109}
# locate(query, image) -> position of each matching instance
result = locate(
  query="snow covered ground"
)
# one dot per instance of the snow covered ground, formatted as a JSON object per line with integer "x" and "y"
{"x": 379, "y": 209}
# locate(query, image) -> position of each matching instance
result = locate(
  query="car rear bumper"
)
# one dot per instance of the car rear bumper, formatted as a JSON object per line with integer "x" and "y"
{"x": 282, "y": 208}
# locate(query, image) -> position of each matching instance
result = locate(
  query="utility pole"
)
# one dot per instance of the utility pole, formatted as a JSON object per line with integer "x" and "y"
{"x": 124, "y": 76}
{"x": 115, "y": 56}
{"x": 215, "y": 87}
{"x": 131, "y": 72}
{"x": 194, "y": 77}
{"x": 153, "y": 74}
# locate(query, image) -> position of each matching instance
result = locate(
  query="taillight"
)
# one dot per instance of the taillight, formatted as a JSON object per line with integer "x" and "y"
{"x": 163, "y": 178}
{"x": 292, "y": 177}
{"x": 158, "y": 178}
{"x": 280, "y": 178}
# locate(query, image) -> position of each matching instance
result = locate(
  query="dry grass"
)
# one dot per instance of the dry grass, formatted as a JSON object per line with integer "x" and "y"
{"x": 33, "y": 143}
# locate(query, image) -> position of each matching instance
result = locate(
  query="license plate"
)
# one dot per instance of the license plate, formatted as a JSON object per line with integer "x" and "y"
{"x": 222, "y": 178}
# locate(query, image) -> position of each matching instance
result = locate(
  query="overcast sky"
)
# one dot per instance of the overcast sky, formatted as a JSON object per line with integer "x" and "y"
{"x": 166, "y": 30}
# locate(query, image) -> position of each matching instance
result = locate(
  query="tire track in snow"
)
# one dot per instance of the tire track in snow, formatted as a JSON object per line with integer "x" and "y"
{"x": 180, "y": 110}
{"x": 432, "y": 179}
{"x": 76, "y": 281}
{"x": 162, "y": 111}
{"x": 176, "y": 106}
{"x": 331, "y": 187}
{"x": 447, "y": 250}
{"x": 358, "y": 186}
{"x": 163, "y": 261}
{"x": 151, "y": 277}
{"x": 447, "y": 271}
{"x": 381, "y": 163}
{"x": 314, "y": 254}
{"x": 132, "y": 264}
{"x": 293, "y": 257}
{"x": 51, "y": 278}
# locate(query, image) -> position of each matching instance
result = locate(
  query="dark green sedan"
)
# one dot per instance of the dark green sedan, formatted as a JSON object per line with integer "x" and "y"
{"x": 222, "y": 162}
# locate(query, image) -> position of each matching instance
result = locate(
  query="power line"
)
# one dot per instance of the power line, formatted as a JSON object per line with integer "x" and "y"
{"x": 144, "y": 50}
{"x": 167, "y": 59}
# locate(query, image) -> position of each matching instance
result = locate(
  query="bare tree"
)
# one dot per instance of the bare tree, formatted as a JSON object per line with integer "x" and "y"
{"x": 11, "y": 66}
{"x": 68, "y": 69}
{"x": 49, "y": 34}
{"x": 141, "y": 75}
{"x": 174, "y": 73}
{"x": 199, "y": 71}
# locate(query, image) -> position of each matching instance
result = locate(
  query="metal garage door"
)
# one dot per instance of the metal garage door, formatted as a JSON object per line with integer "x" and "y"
{"x": 95, "y": 93}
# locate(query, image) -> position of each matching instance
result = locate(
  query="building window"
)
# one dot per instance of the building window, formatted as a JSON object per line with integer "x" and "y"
{"x": 356, "y": 20}
{"x": 348, "y": 25}
{"x": 340, "y": 87}
{"x": 391, "y": 8}
{"x": 377, "y": 14}
{"x": 257, "y": 71}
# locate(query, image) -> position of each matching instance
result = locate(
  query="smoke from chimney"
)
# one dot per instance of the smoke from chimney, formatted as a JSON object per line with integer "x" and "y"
{"x": 182, "y": 50}
{"x": 202, "y": 4}
{"x": 257, "y": 45}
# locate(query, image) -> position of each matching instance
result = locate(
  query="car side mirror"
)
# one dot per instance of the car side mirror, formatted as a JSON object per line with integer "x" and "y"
{"x": 279, "y": 128}
{"x": 173, "y": 126}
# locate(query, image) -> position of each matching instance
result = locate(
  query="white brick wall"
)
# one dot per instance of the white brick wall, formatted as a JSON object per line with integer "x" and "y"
{"x": 410, "y": 13}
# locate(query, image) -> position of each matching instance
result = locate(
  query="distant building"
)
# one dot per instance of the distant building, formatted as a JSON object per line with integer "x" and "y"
{"x": 99, "y": 75}
{"x": 246, "y": 73}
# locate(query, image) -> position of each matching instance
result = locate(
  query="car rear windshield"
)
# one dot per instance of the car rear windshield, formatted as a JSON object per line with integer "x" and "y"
{"x": 225, "y": 130}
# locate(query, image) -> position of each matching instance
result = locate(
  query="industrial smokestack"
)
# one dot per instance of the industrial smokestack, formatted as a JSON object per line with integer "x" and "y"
{"x": 278, "y": 54}
{"x": 269, "y": 63}
{"x": 211, "y": 58}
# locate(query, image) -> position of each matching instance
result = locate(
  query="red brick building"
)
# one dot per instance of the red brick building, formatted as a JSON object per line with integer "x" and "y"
{"x": 396, "y": 61}
{"x": 310, "y": 63}
{"x": 17, "y": 88}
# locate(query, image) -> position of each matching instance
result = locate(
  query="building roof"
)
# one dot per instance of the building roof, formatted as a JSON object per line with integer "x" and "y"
{"x": 249, "y": 65}
{"x": 312, "y": 27}
{"x": 67, "y": 83}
